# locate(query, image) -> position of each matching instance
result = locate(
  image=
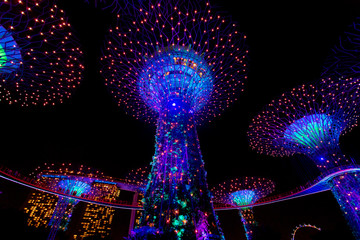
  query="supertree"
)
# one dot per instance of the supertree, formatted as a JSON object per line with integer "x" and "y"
{"x": 176, "y": 63}
{"x": 309, "y": 120}
{"x": 344, "y": 59}
{"x": 241, "y": 192}
{"x": 72, "y": 180}
{"x": 40, "y": 59}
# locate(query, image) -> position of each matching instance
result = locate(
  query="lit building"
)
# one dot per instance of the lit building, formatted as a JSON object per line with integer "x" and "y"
{"x": 77, "y": 181}
{"x": 97, "y": 219}
{"x": 40, "y": 208}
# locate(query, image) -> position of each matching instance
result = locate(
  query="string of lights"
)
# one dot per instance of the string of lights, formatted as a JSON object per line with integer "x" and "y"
{"x": 41, "y": 60}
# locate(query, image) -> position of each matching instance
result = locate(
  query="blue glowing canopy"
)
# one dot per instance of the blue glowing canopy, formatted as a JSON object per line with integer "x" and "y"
{"x": 10, "y": 56}
{"x": 175, "y": 74}
{"x": 74, "y": 186}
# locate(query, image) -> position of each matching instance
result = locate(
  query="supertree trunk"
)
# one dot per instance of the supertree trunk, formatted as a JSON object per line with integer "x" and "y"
{"x": 57, "y": 217}
{"x": 61, "y": 216}
{"x": 249, "y": 223}
{"x": 177, "y": 198}
{"x": 345, "y": 187}
{"x": 346, "y": 190}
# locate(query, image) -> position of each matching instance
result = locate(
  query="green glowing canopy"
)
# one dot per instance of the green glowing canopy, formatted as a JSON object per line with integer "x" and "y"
{"x": 243, "y": 197}
{"x": 3, "y": 57}
{"x": 311, "y": 131}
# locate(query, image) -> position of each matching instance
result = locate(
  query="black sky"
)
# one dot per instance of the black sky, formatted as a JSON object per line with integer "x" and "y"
{"x": 288, "y": 43}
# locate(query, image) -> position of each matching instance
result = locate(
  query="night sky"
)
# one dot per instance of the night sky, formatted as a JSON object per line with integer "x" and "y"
{"x": 288, "y": 43}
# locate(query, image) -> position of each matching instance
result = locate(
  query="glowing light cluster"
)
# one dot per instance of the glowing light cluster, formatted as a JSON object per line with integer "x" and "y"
{"x": 344, "y": 58}
{"x": 176, "y": 75}
{"x": 138, "y": 177}
{"x": 242, "y": 192}
{"x": 309, "y": 131}
{"x": 74, "y": 186}
{"x": 40, "y": 59}
{"x": 243, "y": 197}
{"x": 177, "y": 63}
{"x": 157, "y": 54}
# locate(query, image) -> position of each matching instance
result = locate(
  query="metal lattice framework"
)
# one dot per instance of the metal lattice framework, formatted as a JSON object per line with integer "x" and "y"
{"x": 344, "y": 58}
{"x": 241, "y": 192}
{"x": 40, "y": 59}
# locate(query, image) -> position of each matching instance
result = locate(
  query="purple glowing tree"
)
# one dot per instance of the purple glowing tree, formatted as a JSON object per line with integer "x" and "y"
{"x": 75, "y": 181}
{"x": 40, "y": 59}
{"x": 309, "y": 120}
{"x": 64, "y": 207}
{"x": 176, "y": 63}
{"x": 241, "y": 192}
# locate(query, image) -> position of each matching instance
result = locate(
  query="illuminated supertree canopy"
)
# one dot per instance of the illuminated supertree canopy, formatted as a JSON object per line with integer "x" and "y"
{"x": 344, "y": 58}
{"x": 310, "y": 120}
{"x": 151, "y": 63}
{"x": 40, "y": 59}
{"x": 307, "y": 120}
{"x": 242, "y": 192}
{"x": 178, "y": 64}
{"x": 69, "y": 179}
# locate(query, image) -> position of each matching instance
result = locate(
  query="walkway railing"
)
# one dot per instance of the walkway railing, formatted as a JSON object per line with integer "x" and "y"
{"x": 317, "y": 185}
